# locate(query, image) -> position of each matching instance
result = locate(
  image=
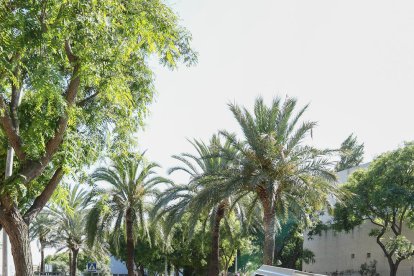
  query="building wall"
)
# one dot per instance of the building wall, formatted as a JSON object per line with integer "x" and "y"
{"x": 118, "y": 267}
{"x": 11, "y": 270}
{"x": 345, "y": 252}
{"x": 333, "y": 252}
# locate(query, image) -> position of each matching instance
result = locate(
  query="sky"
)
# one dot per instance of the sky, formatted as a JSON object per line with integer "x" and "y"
{"x": 352, "y": 61}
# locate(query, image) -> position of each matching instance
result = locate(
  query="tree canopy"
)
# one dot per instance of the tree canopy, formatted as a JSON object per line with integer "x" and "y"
{"x": 73, "y": 76}
{"x": 384, "y": 195}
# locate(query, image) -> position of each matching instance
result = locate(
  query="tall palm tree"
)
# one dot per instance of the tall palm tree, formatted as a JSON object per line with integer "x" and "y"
{"x": 273, "y": 163}
{"x": 124, "y": 204}
{"x": 179, "y": 199}
{"x": 71, "y": 218}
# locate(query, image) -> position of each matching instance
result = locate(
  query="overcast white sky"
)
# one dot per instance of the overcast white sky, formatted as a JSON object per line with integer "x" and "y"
{"x": 353, "y": 61}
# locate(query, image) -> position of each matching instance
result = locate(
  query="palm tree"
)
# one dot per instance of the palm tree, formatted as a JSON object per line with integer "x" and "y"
{"x": 124, "y": 204}
{"x": 273, "y": 163}
{"x": 43, "y": 229}
{"x": 179, "y": 199}
{"x": 71, "y": 218}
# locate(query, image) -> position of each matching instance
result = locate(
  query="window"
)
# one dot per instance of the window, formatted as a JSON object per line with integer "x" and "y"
{"x": 352, "y": 256}
{"x": 368, "y": 255}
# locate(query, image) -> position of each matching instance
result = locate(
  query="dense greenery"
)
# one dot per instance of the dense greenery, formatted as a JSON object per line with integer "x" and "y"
{"x": 74, "y": 75}
{"x": 383, "y": 194}
{"x": 202, "y": 226}
{"x": 75, "y": 85}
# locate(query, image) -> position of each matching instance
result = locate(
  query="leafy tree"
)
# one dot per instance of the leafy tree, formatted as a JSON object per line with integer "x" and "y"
{"x": 351, "y": 153}
{"x": 60, "y": 263}
{"x": 124, "y": 205}
{"x": 234, "y": 238}
{"x": 146, "y": 253}
{"x": 71, "y": 73}
{"x": 383, "y": 195}
{"x": 189, "y": 252}
{"x": 289, "y": 245}
{"x": 274, "y": 164}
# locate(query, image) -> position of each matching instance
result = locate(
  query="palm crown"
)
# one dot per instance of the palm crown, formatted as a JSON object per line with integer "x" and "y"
{"x": 123, "y": 205}
{"x": 274, "y": 163}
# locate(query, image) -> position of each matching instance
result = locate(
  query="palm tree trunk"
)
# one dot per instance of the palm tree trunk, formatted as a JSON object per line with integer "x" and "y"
{"x": 74, "y": 261}
{"x": 269, "y": 223}
{"x": 130, "y": 242}
{"x": 42, "y": 257}
{"x": 70, "y": 262}
{"x": 214, "y": 264}
{"x": 166, "y": 266}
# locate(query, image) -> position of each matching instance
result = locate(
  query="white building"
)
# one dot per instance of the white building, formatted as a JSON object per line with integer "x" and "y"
{"x": 118, "y": 268}
{"x": 345, "y": 252}
{"x": 10, "y": 266}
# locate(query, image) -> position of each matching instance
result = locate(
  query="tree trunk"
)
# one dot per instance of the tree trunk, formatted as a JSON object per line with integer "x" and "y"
{"x": 130, "y": 242}
{"x": 214, "y": 263}
{"x": 188, "y": 271}
{"x": 42, "y": 257}
{"x": 141, "y": 271}
{"x": 393, "y": 270}
{"x": 269, "y": 223}
{"x": 70, "y": 262}
{"x": 166, "y": 266}
{"x": 74, "y": 261}
{"x": 18, "y": 232}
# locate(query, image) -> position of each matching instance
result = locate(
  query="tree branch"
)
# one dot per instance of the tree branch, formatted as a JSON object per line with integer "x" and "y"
{"x": 33, "y": 168}
{"x": 6, "y": 123}
{"x": 84, "y": 101}
{"x": 44, "y": 197}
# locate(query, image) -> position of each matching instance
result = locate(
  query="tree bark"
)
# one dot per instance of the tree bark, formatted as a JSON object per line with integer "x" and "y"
{"x": 166, "y": 266}
{"x": 18, "y": 232}
{"x": 214, "y": 263}
{"x": 74, "y": 261}
{"x": 141, "y": 271}
{"x": 130, "y": 242}
{"x": 269, "y": 223}
{"x": 42, "y": 258}
{"x": 393, "y": 270}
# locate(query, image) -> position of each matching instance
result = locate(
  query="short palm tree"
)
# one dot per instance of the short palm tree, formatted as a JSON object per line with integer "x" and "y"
{"x": 274, "y": 164}
{"x": 123, "y": 205}
{"x": 44, "y": 229}
{"x": 180, "y": 199}
{"x": 70, "y": 219}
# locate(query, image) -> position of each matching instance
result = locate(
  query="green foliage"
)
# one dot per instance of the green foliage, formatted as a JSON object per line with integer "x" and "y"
{"x": 289, "y": 245}
{"x": 233, "y": 238}
{"x": 351, "y": 154}
{"x": 383, "y": 194}
{"x": 60, "y": 263}
{"x": 47, "y": 46}
{"x": 369, "y": 269}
